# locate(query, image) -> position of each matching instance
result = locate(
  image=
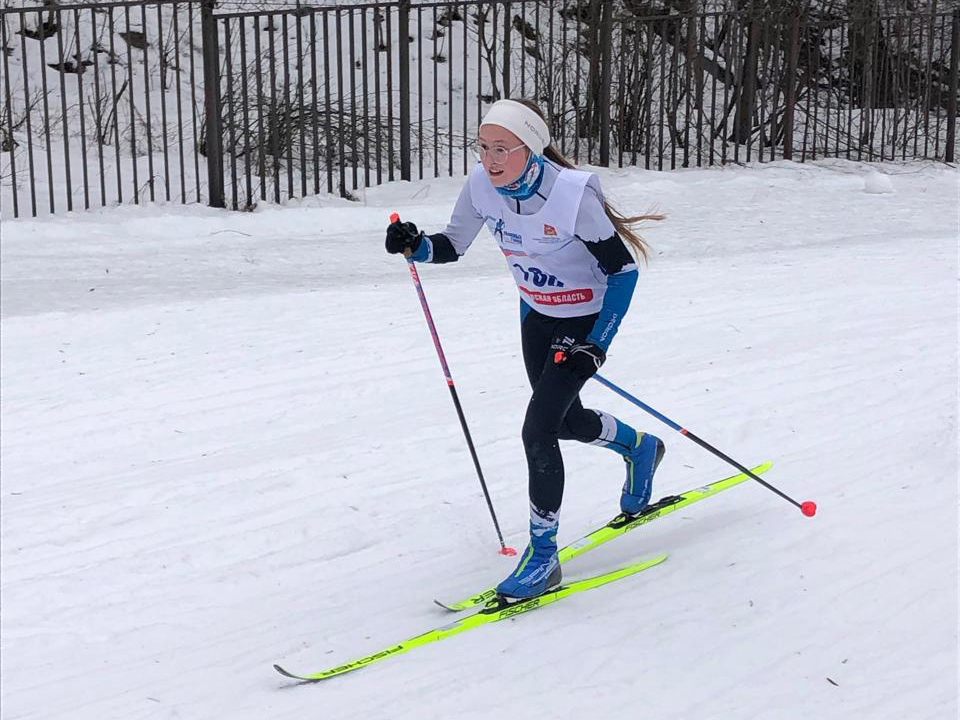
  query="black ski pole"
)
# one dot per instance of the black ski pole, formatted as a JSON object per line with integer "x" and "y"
{"x": 504, "y": 550}
{"x": 808, "y": 508}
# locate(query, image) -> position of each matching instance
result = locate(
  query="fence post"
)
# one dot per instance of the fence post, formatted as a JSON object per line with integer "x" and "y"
{"x": 793, "y": 44}
{"x": 952, "y": 101}
{"x": 748, "y": 84}
{"x": 403, "y": 30}
{"x": 606, "y": 52}
{"x": 211, "y": 92}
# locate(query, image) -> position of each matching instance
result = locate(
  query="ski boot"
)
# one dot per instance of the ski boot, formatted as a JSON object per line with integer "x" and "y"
{"x": 641, "y": 463}
{"x": 539, "y": 568}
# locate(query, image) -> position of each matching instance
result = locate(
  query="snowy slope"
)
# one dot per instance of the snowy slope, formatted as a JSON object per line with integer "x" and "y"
{"x": 227, "y": 443}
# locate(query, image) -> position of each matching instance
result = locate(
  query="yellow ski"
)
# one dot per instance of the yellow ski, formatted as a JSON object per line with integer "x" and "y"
{"x": 492, "y": 611}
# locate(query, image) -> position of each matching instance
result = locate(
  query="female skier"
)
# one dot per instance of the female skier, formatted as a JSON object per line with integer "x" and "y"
{"x": 566, "y": 249}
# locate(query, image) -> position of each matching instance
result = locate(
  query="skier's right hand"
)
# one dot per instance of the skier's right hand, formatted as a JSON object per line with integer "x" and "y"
{"x": 403, "y": 237}
{"x": 583, "y": 359}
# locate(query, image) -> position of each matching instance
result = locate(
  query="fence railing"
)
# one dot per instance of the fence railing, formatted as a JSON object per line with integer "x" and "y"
{"x": 175, "y": 100}
{"x": 101, "y": 104}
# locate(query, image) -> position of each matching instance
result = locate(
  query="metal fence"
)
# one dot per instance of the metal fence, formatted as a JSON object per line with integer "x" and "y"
{"x": 101, "y": 104}
{"x": 174, "y": 100}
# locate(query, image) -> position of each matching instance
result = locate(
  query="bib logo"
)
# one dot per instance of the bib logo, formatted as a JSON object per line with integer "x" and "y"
{"x": 538, "y": 277}
{"x": 549, "y": 230}
{"x": 498, "y": 229}
{"x": 495, "y": 226}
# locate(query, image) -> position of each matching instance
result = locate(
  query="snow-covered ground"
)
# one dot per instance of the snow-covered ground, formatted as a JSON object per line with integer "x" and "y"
{"x": 227, "y": 443}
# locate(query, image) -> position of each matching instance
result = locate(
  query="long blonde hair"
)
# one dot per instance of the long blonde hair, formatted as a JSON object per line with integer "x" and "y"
{"x": 623, "y": 224}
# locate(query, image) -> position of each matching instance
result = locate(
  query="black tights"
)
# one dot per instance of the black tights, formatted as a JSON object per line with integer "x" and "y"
{"x": 555, "y": 411}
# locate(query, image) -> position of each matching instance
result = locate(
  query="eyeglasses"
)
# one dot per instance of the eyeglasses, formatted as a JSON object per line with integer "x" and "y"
{"x": 497, "y": 154}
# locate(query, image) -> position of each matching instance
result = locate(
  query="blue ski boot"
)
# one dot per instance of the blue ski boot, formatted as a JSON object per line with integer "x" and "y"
{"x": 642, "y": 463}
{"x": 539, "y": 568}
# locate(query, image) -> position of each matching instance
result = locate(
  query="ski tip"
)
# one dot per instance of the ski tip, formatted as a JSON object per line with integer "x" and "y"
{"x": 445, "y": 607}
{"x": 650, "y": 562}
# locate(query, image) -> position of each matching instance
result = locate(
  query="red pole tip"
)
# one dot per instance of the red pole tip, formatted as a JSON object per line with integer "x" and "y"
{"x": 394, "y": 217}
{"x": 507, "y": 551}
{"x": 809, "y": 508}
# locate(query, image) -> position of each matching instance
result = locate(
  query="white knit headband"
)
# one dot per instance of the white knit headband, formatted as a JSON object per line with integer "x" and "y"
{"x": 521, "y": 121}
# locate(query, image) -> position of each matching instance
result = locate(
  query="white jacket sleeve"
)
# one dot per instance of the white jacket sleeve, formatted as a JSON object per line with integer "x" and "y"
{"x": 465, "y": 222}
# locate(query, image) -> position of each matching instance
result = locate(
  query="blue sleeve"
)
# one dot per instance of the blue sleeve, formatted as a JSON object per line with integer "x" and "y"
{"x": 616, "y": 300}
{"x": 424, "y": 251}
{"x": 435, "y": 248}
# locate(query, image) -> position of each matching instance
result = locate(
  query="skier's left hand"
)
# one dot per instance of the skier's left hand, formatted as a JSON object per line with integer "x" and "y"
{"x": 582, "y": 359}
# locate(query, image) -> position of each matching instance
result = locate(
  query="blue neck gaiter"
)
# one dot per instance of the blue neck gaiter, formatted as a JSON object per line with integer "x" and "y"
{"x": 524, "y": 187}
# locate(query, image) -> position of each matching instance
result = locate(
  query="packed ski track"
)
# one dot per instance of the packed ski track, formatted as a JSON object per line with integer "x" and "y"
{"x": 227, "y": 442}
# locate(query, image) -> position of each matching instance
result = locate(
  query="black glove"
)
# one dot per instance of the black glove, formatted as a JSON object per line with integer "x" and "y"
{"x": 403, "y": 236}
{"x": 583, "y": 359}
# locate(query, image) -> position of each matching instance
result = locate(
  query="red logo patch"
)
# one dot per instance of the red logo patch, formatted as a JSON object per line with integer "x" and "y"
{"x": 549, "y": 230}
